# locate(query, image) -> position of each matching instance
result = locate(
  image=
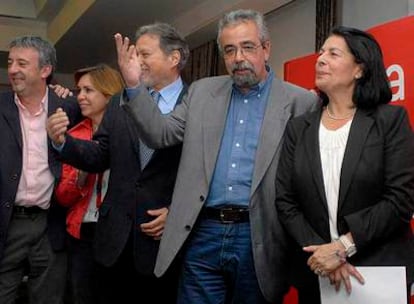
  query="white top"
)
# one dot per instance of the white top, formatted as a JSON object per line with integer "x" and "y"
{"x": 91, "y": 215}
{"x": 332, "y": 145}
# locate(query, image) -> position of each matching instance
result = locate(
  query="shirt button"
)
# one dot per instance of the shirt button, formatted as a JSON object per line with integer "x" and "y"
{"x": 237, "y": 145}
{"x": 230, "y": 188}
{"x": 258, "y": 95}
{"x": 233, "y": 165}
{"x": 241, "y": 121}
{"x": 246, "y": 101}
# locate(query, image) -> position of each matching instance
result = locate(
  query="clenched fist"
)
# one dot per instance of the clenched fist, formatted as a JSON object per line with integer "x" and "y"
{"x": 57, "y": 125}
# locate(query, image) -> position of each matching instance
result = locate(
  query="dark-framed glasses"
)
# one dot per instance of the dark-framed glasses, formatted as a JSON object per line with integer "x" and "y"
{"x": 230, "y": 51}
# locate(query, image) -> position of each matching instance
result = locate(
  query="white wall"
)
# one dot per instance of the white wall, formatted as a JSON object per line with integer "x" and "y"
{"x": 292, "y": 27}
{"x": 369, "y": 13}
{"x": 292, "y": 32}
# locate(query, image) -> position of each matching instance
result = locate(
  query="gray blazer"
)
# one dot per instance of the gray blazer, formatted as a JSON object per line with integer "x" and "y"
{"x": 199, "y": 123}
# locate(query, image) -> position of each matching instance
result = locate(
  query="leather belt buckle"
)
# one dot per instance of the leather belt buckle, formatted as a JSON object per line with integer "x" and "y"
{"x": 231, "y": 215}
{"x": 226, "y": 215}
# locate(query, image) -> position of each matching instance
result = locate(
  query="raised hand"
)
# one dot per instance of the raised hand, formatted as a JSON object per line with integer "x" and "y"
{"x": 57, "y": 125}
{"x": 128, "y": 61}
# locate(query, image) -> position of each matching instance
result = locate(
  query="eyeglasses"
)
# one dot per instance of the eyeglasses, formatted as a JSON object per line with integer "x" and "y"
{"x": 246, "y": 50}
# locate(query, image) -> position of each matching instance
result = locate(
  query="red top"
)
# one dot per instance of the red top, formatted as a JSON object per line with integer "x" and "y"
{"x": 72, "y": 195}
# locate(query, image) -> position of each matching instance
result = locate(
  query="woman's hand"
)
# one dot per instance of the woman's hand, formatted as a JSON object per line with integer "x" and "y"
{"x": 343, "y": 274}
{"x": 326, "y": 258}
{"x": 57, "y": 125}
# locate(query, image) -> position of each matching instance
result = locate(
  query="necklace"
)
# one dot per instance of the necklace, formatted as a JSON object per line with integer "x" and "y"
{"x": 333, "y": 117}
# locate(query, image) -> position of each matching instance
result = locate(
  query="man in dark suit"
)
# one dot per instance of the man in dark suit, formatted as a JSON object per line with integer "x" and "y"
{"x": 132, "y": 216}
{"x": 32, "y": 226}
{"x": 222, "y": 217}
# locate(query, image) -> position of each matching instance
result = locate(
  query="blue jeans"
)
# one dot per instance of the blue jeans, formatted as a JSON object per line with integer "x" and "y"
{"x": 218, "y": 266}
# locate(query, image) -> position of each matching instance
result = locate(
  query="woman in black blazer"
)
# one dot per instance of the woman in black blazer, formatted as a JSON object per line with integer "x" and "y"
{"x": 345, "y": 182}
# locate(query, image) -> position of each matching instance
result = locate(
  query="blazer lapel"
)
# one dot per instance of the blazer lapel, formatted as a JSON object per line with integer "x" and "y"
{"x": 358, "y": 133}
{"x": 314, "y": 155}
{"x": 53, "y": 103}
{"x": 55, "y": 166}
{"x": 11, "y": 115}
{"x": 273, "y": 126}
{"x": 214, "y": 120}
{"x": 133, "y": 134}
{"x": 183, "y": 93}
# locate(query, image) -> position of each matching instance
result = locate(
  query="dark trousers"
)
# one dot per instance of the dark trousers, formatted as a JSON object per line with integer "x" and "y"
{"x": 121, "y": 282}
{"x": 310, "y": 295}
{"x": 83, "y": 269}
{"x": 28, "y": 251}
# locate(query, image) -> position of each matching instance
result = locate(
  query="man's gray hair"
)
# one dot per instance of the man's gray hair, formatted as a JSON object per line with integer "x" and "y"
{"x": 240, "y": 16}
{"x": 47, "y": 52}
{"x": 170, "y": 40}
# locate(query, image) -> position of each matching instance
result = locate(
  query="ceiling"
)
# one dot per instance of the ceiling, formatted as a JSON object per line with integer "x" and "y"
{"x": 82, "y": 30}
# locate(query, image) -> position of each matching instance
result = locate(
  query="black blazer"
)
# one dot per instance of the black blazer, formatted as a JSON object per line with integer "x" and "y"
{"x": 376, "y": 196}
{"x": 131, "y": 191}
{"x": 11, "y": 163}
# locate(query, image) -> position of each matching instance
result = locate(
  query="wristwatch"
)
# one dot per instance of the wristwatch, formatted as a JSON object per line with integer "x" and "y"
{"x": 350, "y": 248}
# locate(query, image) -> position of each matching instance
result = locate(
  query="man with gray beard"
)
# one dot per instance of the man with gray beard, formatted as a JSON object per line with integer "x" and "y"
{"x": 222, "y": 225}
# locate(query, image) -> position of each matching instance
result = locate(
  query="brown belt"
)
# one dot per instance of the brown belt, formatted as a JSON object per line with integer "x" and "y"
{"x": 226, "y": 215}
